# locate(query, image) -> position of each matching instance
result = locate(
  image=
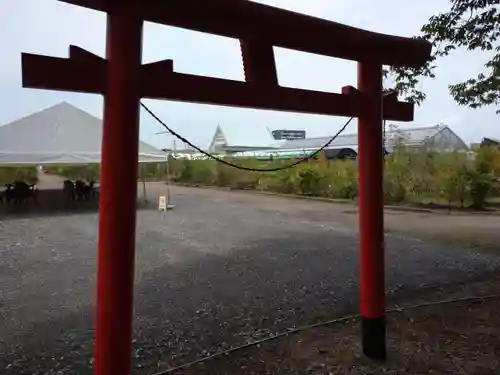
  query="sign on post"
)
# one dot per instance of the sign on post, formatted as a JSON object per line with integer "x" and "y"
{"x": 162, "y": 203}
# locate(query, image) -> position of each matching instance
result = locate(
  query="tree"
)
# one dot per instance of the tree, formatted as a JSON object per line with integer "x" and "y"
{"x": 470, "y": 24}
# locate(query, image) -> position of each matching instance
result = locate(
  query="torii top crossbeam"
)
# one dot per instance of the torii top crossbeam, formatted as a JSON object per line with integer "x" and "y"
{"x": 246, "y": 20}
{"x": 258, "y": 28}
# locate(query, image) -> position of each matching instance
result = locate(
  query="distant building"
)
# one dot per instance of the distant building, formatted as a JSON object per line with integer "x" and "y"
{"x": 288, "y": 134}
{"x": 231, "y": 139}
{"x": 487, "y": 142}
{"x": 437, "y": 137}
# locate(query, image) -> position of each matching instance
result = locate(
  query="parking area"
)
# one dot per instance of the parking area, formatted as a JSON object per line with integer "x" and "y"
{"x": 220, "y": 269}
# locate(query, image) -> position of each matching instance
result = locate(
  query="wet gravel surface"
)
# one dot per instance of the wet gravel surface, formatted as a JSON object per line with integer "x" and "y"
{"x": 219, "y": 270}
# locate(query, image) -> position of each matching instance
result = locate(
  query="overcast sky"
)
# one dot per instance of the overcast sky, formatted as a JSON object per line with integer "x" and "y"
{"x": 48, "y": 27}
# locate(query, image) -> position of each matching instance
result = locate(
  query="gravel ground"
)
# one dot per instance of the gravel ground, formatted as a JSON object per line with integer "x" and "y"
{"x": 462, "y": 337}
{"x": 219, "y": 270}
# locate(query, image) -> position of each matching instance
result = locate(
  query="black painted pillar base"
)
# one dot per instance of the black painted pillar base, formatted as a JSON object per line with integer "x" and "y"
{"x": 373, "y": 338}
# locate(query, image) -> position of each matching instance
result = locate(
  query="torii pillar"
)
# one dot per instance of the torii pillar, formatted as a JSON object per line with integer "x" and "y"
{"x": 371, "y": 212}
{"x": 117, "y": 218}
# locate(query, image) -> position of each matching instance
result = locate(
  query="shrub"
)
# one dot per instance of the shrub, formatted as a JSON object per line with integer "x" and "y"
{"x": 482, "y": 177}
{"x": 309, "y": 180}
{"x": 341, "y": 180}
{"x": 397, "y": 181}
{"x": 457, "y": 185}
{"x": 410, "y": 176}
{"x": 10, "y": 174}
{"x": 77, "y": 172}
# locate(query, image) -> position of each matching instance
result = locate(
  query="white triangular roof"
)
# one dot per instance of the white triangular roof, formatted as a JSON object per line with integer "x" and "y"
{"x": 234, "y": 135}
{"x": 61, "y": 134}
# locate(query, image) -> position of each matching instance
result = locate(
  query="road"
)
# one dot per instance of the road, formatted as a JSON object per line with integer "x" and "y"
{"x": 221, "y": 269}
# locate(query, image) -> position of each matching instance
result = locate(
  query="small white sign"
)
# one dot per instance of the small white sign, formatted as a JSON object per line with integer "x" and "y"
{"x": 162, "y": 203}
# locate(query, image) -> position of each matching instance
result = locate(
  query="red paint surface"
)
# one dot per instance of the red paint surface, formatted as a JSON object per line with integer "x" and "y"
{"x": 259, "y": 64}
{"x": 371, "y": 208}
{"x": 248, "y": 20}
{"x": 117, "y": 206}
{"x": 160, "y": 82}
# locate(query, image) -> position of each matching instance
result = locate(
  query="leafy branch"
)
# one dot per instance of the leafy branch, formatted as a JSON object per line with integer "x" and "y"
{"x": 470, "y": 24}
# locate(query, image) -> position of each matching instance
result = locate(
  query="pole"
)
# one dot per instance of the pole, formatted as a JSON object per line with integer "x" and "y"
{"x": 371, "y": 212}
{"x": 143, "y": 180}
{"x": 117, "y": 219}
{"x": 169, "y": 196}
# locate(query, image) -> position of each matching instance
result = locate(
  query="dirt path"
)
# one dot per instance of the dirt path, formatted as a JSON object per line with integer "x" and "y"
{"x": 477, "y": 231}
{"x": 48, "y": 181}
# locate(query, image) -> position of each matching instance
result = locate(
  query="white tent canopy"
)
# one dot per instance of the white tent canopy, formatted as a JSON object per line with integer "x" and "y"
{"x": 61, "y": 134}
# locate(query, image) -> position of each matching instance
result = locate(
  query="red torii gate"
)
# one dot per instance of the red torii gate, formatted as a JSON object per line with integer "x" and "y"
{"x": 123, "y": 80}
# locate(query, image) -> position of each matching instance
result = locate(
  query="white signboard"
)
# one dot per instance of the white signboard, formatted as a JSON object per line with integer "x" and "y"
{"x": 162, "y": 203}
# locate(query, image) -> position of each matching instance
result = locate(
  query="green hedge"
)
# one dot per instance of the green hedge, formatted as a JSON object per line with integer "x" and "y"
{"x": 10, "y": 174}
{"x": 149, "y": 172}
{"x": 76, "y": 172}
{"x": 423, "y": 177}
